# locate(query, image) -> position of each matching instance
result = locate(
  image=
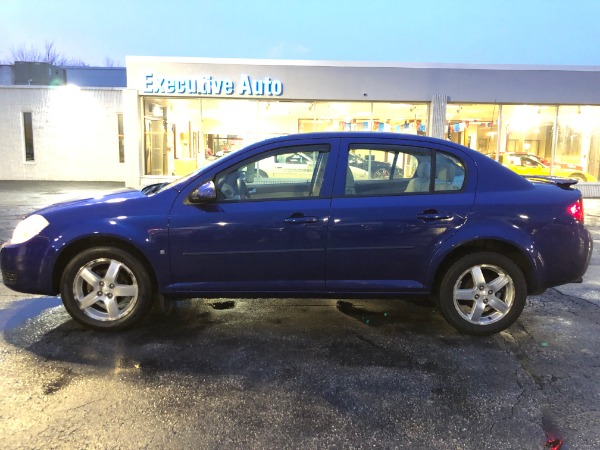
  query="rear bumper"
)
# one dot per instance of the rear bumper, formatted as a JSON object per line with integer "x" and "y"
{"x": 568, "y": 259}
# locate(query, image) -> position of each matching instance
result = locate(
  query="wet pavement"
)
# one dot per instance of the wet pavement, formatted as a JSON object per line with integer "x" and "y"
{"x": 233, "y": 373}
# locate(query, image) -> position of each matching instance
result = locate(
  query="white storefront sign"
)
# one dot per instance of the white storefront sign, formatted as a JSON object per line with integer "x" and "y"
{"x": 213, "y": 86}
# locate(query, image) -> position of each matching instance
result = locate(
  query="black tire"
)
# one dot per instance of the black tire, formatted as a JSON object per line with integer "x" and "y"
{"x": 106, "y": 288}
{"x": 482, "y": 293}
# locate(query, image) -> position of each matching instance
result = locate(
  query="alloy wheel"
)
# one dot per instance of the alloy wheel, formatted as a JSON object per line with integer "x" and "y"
{"x": 105, "y": 289}
{"x": 484, "y": 294}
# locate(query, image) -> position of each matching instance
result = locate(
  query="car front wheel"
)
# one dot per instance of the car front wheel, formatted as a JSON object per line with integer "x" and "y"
{"x": 106, "y": 288}
{"x": 482, "y": 293}
{"x": 381, "y": 173}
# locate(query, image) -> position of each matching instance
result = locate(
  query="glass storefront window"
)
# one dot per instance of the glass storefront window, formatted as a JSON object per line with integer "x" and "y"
{"x": 170, "y": 136}
{"x": 527, "y": 141}
{"x": 528, "y": 129}
{"x": 227, "y": 126}
{"x": 578, "y": 143}
{"x": 155, "y": 132}
{"x": 277, "y": 118}
{"x": 473, "y": 125}
{"x": 184, "y": 134}
{"x": 341, "y": 116}
{"x": 366, "y": 116}
{"x": 400, "y": 118}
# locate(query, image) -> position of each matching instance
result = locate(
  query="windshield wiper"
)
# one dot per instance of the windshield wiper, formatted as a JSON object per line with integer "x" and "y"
{"x": 153, "y": 188}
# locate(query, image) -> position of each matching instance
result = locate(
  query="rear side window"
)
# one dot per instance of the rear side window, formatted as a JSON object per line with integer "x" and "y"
{"x": 449, "y": 173}
{"x": 383, "y": 169}
{"x": 396, "y": 170}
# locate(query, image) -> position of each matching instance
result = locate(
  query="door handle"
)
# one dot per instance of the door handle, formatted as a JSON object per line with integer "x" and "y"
{"x": 301, "y": 219}
{"x": 431, "y": 216}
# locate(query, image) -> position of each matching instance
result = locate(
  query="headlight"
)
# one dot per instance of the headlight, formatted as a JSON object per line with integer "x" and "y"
{"x": 28, "y": 228}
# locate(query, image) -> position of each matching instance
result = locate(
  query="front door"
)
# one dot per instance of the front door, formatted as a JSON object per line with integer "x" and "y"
{"x": 263, "y": 234}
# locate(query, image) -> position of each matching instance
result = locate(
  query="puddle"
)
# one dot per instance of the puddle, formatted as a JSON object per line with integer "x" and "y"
{"x": 19, "y": 311}
{"x": 223, "y": 305}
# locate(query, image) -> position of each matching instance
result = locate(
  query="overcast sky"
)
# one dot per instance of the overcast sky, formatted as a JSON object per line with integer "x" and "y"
{"x": 431, "y": 31}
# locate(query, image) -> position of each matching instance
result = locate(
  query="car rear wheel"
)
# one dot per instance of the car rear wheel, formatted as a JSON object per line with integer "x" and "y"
{"x": 482, "y": 293}
{"x": 106, "y": 288}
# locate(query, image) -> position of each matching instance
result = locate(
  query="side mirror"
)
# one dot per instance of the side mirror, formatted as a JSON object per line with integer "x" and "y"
{"x": 206, "y": 192}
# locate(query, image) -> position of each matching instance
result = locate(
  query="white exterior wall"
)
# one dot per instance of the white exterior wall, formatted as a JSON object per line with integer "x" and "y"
{"x": 75, "y": 134}
{"x": 134, "y": 138}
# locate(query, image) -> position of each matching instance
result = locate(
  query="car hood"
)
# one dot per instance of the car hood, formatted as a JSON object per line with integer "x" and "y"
{"x": 116, "y": 196}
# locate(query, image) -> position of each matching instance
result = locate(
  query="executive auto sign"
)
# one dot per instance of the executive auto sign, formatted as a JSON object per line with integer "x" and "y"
{"x": 209, "y": 85}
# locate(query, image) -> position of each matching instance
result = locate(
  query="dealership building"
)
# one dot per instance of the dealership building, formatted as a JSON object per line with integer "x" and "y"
{"x": 160, "y": 117}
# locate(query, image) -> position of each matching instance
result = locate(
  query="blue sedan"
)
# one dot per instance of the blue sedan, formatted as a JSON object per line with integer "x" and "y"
{"x": 445, "y": 222}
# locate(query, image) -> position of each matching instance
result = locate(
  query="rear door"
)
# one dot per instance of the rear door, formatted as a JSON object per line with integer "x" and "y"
{"x": 384, "y": 232}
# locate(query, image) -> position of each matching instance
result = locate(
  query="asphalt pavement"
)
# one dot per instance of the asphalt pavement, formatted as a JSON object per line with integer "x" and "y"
{"x": 232, "y": 373}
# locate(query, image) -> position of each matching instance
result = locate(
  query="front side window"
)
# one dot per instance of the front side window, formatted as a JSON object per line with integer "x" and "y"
{"x": 292, "y": 172}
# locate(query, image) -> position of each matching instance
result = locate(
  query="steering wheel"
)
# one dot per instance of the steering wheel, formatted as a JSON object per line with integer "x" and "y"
{"x": 243, "y": 191}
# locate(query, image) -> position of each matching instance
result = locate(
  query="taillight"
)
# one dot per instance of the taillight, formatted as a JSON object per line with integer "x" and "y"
{"x": 576, "y": 210}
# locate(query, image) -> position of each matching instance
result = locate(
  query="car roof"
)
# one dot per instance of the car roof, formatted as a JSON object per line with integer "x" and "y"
{"x": 359, "y": 135}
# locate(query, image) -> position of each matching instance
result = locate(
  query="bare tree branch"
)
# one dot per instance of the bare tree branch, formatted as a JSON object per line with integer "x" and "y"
{"x": 49, "y": 55}
{"x": 109, "y": 62}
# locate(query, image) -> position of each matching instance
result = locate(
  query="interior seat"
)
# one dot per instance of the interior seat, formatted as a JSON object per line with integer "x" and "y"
{"x": 421, "y": 182}
{"x": 444, "y": 178}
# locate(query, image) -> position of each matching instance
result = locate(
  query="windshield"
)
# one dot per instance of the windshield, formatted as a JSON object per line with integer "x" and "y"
{"x": 536, "y": 159}
{"x": 155, "y": 188}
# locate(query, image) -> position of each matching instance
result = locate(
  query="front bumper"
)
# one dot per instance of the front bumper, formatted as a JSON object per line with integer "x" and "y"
{"x": 27, "y": 267}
